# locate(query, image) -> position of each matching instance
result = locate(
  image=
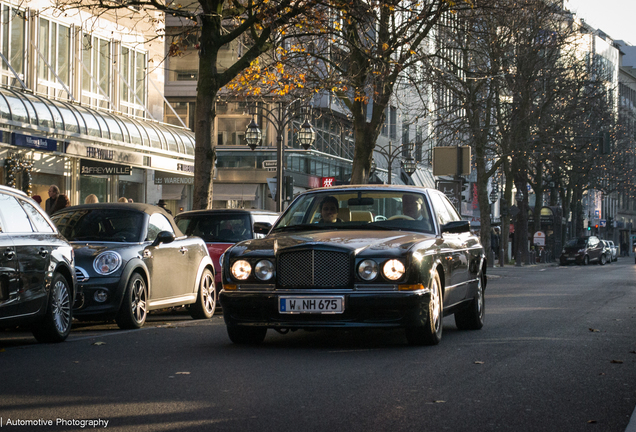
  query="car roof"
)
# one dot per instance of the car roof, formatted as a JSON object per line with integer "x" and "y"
{"x": 139, "y": 207}
{"x": 228, "y": 211}
{"x": 13, "y": 190}
{"x": 406, "y": 188}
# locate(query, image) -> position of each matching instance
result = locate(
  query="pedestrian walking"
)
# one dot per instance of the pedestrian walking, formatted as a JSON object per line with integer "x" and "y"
{"x": 61, "y": 202}
{"x": 91, "y": 199}
{"x": 494, "y": 242}
{"x": 54, "y": 193}
{"x": 162, "y": 204}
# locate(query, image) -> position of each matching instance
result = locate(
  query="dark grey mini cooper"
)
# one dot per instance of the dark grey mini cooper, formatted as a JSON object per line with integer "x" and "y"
{"x": 131, "y": 259}
{"x": 365, "y": 256}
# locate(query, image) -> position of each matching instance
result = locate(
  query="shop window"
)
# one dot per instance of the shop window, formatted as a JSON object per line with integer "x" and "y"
{"x": 54, "y": 48}
{"x": 96, "y": 60}
{"x": 13, "y": 35}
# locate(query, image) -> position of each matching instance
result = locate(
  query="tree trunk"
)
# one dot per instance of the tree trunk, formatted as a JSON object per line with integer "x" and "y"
{"x": 205, "y": 112}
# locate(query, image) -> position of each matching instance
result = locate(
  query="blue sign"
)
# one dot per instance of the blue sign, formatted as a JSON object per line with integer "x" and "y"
{"x": 603, "y": 223}
{"x": 34, "y": 142}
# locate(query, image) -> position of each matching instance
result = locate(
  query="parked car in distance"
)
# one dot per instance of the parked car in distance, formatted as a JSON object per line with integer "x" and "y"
{"x": 131, "y": 259}
{"x": 357, "y": 256}
{"x": 221, "y": 228}
{"x": 37, "y": 273}
{"x": 582, "y": 250}
{"x": 614, "y": 250}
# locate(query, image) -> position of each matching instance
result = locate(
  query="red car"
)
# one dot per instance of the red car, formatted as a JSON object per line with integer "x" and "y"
{"x": 221, "y": 228}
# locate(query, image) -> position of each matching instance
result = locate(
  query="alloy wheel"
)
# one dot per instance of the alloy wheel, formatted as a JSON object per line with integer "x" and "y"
{"x": 139, "y": 301}
{"x": 61, "y": 307}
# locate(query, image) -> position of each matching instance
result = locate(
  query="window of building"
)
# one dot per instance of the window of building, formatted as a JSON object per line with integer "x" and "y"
{"x": 53, "y": 58}
{"x": 96, "y": 60}
{"x": 13, "y": 35}
{"x": 132, "y": 87}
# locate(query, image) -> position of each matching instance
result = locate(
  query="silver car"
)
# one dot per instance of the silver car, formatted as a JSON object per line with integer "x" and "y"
{"x": 614, "y": 250}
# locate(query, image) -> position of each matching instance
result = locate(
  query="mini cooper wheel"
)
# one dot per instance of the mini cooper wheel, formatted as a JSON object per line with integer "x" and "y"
{"x": 206, "y": 297}
{"x": 431, "y": 332}
{"x": 55, "y": 326}
{"x": 133, "y": 311}
{"x": 603, "y": 260}
{"x": 246, "y": 335}
{"x": 472, "y": 317}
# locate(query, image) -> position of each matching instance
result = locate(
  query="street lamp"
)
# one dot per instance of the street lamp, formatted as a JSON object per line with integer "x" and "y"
{"x": 279, "y": 118}
{"x": 408, "y": 165}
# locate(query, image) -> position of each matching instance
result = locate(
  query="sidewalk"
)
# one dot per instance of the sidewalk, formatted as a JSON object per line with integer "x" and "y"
{"x": 497, "y": 271}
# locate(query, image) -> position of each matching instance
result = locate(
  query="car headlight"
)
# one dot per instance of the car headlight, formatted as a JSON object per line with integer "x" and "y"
{"x": 368, "y": 270}
{"x": 393, "y": 269}
{"x": 264, "y": 270}
{"x": 563, "y": 251}
{"x": 581, "y": 251}
{"x": 241, "y": 269}
{"x": 107, "y": 262}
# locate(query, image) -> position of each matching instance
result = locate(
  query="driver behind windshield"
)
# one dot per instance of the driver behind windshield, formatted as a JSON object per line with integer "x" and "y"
{"x": 412, "y": 206}
{"x": 329, "y": 210}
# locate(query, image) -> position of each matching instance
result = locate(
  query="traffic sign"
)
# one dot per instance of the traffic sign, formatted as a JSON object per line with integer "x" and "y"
{"x": 270, "y": 165}
{"x": 603, "y": 223}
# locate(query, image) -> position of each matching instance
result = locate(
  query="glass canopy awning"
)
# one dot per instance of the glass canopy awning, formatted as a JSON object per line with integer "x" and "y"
{"x": 59, "y": 117}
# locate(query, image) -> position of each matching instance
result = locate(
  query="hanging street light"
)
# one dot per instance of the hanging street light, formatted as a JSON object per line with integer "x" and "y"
{"x": 253, "y": 135}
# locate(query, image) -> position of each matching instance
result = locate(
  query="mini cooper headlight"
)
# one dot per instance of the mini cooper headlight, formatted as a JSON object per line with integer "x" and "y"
{"x": 241, "y": 269}
{"x": 264, "y": 270}
{"x": 393, "y": 269}
{"x": 368, "y": 270}
{"x": 107, "y": 262}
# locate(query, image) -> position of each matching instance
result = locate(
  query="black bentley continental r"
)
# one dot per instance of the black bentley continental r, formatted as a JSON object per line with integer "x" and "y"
{"x": 357, "y": 256}
{"x": 131, "y": 259}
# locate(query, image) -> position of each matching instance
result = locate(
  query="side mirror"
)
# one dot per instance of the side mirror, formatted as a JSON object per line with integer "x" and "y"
{"x": 456, "y": 227}
{"x": 163, "y": 237}
{"x": 262, "y": 227}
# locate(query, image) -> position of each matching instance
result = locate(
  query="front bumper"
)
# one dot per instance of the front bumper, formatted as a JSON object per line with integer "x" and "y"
{"x": 386, "y": 309}
{"x": 86, "y": 304}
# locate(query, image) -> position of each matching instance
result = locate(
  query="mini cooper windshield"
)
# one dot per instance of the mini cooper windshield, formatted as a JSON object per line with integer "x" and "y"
{"x": 106, "y": 225}
{"x": 373, "y": 210}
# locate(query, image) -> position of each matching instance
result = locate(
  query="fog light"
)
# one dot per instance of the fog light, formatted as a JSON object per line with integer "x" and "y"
{"x": 100, "y": 295}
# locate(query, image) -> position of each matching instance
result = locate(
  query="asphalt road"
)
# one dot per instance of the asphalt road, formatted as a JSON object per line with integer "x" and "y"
{"x": 557, "y": 353}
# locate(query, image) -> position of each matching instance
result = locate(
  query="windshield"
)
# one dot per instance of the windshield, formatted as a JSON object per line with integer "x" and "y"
{"x": 217, "y": 228}
{"x": 353, "y": 209}
{"x": 576, "y": 243}
{"x": 100, "y": 225}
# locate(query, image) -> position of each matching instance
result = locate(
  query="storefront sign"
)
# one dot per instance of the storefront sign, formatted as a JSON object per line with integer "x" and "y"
{"x": 328, "y": 181}
{"x": 185, "y": 168}
{"x": 90, "y": 167}
{"x": 34, "y": 142}
{"x": 539, "y": 238}
{"x": 105, "y": 154}
{"x": 164, "y": 178}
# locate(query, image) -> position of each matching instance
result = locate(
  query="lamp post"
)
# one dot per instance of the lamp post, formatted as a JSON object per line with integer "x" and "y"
{"x": 408, "y": 165}
{"x": 518, "y": 230}
{"x": 279, "y": 118}
{"x": 494, "y": 196}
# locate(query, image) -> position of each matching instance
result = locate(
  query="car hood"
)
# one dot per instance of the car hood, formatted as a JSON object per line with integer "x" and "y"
{"x": 87, "y": 251}
{"x": 360, "y": 241}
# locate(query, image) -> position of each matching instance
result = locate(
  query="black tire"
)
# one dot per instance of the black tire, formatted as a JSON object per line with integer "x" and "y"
{"x": 472, "y": 317}
{"x": 586, "y": 260}
{"x": 602, "y": 259}
{"x": 246, "y": 335}
{"x": 55, "y": 326}
{"x": 431, "y": 333}
{"x": 133, "y": 311}
{"x": 206, "y": 297}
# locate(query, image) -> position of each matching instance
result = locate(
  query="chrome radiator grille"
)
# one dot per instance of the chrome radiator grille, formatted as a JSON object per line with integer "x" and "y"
{"x": 313, "y": 269}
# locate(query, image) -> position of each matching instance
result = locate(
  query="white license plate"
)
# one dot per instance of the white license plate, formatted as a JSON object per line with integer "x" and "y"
{"x": 311, "y": 304}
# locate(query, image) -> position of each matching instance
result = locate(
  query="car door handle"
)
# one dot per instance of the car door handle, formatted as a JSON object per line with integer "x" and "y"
{"x": 43, "y": 253}
{"x": 9, "y": 254}
{"x": 183, "y": 249}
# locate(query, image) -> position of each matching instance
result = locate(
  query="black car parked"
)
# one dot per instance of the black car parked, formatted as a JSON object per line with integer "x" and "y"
{"x": 364, "y": 256}
{"x": 131, "y": 259}
{"x": 583, "y": 250}
{"x": 37, "y": 274}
